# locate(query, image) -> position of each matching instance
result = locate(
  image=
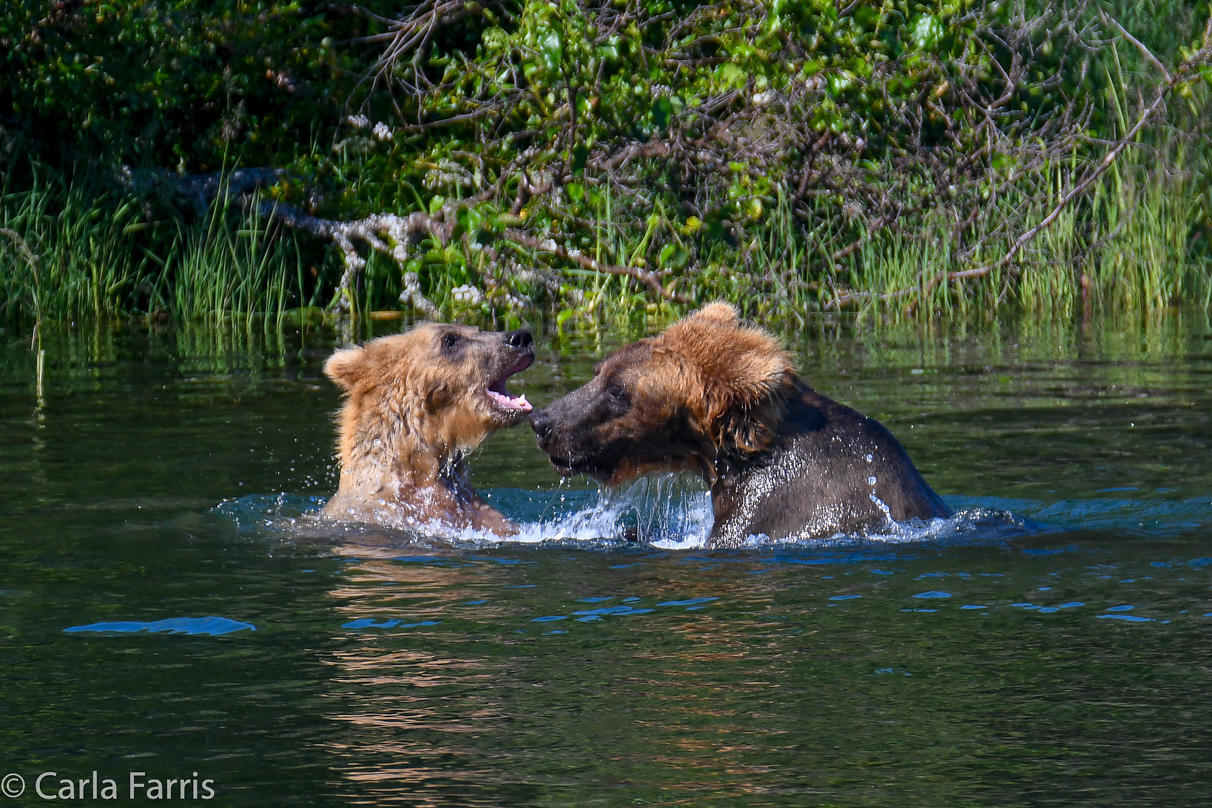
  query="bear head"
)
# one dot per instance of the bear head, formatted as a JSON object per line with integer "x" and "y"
{"x": 418, "y": 401}
{"x": 706, "y": 387}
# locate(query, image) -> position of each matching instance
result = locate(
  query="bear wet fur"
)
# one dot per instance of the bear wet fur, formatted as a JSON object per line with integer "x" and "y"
{"x": 721, "y": 399}
{"x": 416, "y": 404}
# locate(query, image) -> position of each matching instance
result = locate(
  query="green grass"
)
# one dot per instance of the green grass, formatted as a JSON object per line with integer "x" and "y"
{"x": 1132, "y": 244}
{"x": 241, "y": 271}
{"x": 76, "y": 249}
{"x": 68, "y": 252}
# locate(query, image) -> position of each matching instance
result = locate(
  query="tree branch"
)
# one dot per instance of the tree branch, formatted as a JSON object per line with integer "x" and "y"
{"x": 647, "y": 277}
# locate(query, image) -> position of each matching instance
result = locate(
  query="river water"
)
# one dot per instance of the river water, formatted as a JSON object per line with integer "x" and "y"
{"x": 169, "y": 609}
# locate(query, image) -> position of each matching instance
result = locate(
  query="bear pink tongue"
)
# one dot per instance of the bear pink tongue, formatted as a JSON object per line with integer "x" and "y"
{"x": 508, "y": 402}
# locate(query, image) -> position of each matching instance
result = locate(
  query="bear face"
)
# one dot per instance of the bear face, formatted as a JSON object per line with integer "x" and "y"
{"x": 630, "y": 418}
{"x": 705, "y": 387}
{"x": 446, "y": 382}
{"x": 416, "y": 404}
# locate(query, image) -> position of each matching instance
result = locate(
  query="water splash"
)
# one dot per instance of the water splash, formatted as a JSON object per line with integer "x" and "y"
{"x": 258, "y": 512}
{"x": 673, "y": 512}
{"x": 667, "y": 511}
{"x": 670, "y": 511}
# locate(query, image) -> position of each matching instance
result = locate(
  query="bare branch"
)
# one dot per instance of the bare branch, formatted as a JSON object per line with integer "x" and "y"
{"x": 1107, "y": 18}
{"x": 647, "y": 277}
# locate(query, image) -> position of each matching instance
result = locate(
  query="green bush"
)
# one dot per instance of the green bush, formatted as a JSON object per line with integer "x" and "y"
{"x": 582, "y": 155}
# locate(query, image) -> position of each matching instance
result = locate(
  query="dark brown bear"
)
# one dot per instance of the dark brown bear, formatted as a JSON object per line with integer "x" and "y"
{"x": 719, "y": 398}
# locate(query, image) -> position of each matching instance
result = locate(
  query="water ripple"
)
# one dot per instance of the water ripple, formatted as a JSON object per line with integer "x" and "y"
{"x": 206, "y": 626}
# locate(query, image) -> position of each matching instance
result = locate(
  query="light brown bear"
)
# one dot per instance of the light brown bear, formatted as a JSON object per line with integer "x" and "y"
{"x": 416, "y": 404}
{"x": 719, "y": 398}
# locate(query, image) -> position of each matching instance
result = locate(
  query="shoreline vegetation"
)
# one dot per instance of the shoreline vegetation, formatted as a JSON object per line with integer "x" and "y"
{"x": 584, "y": 161}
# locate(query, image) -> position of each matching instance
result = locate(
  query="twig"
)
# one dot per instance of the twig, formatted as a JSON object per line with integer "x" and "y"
{"x": 385, "y": 233}
{"x": 651, "y": 279}
{"x": 1107, "y": 18}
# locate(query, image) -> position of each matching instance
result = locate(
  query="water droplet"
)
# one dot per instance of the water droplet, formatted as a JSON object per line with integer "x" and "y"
{"x": 870, "y": 458}
{"x": 870, "y": 481}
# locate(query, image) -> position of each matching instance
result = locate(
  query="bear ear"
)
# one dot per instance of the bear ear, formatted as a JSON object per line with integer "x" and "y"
{"x": 740, "y": 367}
{"x": 718, "y": 312}
{"x": 346, "y": 366}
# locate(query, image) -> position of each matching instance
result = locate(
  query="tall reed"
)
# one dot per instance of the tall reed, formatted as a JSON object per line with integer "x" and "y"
{"x": 76, "y": 249}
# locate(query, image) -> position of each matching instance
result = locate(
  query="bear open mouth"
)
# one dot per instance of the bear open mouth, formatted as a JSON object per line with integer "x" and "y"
{"x": 502, "y": 397}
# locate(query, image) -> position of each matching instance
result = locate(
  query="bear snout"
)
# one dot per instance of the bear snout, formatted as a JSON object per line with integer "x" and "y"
{"x": 553, "y": 441}
{"x": 542, "y": 424}
{"x": 558, "y": 439}
{"x": 519, "y": 339}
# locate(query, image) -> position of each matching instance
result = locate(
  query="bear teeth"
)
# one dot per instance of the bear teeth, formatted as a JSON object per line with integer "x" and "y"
{"x": 508, "y": 402}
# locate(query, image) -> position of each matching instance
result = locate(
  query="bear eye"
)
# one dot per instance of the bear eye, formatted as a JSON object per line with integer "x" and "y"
{"x": 617, "y": 394}
{"x": 450, "y": 341}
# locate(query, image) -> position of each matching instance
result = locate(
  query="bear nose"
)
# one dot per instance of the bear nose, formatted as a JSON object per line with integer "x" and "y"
{"x": 519, "y": 339}
{"x": 540, "y": 422}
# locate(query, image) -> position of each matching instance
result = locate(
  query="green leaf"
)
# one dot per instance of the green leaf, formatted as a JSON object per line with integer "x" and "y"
{"x": 926, "y": 31}
{"x": 551, "y": 50}
{"x": 731, "y": 76}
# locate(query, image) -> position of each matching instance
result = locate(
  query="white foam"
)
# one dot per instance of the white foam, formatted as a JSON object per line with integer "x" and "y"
{"x": 671, "y": 512}
{"x": 665, "y": 510}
